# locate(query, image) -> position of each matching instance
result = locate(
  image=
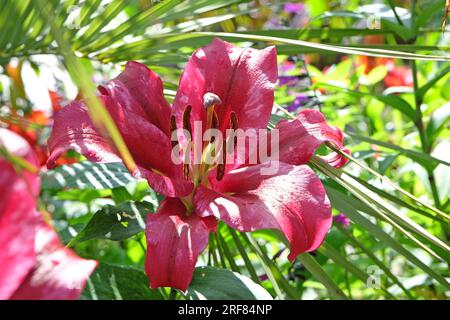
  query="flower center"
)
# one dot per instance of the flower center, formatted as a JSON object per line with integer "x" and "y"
{"x": 209, "y": 149}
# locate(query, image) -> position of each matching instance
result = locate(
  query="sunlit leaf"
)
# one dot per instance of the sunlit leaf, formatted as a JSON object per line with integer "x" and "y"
{"x": 216, "y": 284}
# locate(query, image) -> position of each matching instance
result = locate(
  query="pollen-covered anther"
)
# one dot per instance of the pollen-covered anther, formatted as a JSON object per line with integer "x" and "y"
{"x": 187, "y": 126}
{"x": 187, "y": 119}
{"x": 186, "y": 171}
{"x": 214, "y": 124}
{"x": 172, "y": 128}
{"x": 234, "y": 126}
{"x": 234, "y": 120}
{"x": 220, "y": 171}
{"x": 221, "y": 166}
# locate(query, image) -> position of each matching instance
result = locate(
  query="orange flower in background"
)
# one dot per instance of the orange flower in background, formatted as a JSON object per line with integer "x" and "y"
{"x": 369, "y": 63}
{"x": 30, "y": 128}
{"x": 56, "y": 100}
{"x": 399, "y": 76}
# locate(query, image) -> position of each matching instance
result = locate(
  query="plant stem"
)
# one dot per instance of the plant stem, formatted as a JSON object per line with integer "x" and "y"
{"x": 392, "y": 5}
{"x": 244, "y": 255}
{"x": 426, "y": 146}
{"x": 173, "y": 294}
{"x": 227, "y": 252}
{"x": 274, "y": 274}
{"x": 212, "y": 250}
{"x": 221, "y": 253}
{"x": 311, "y": 264}
{"x": 372, "y": 256}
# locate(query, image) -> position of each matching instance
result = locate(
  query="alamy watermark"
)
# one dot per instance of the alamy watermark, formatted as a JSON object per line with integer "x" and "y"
{"x": 374, "y": 279}
{"x": 214, "y": 147}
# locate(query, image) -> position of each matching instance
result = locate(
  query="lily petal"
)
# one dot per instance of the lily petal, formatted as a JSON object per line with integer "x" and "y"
{"x": 34, "y": 263}
{"x": 174, "y": 242}
{"x": 292, "y": 200}
{"x": 300, "y": 138}
{"x": 145, "y": 88}
{"x": 74, "y": 130}
{"x": 175, "y": 186}
{"x": 17, "y": 215}
{"x": 150, "y": 147}
{"x": 243, "y": 79}
{"x": 59, "y": 274}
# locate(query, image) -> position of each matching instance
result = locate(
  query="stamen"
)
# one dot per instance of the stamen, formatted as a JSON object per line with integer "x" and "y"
{"x": 172, "y": 128}
{"x": 234, "y": 120}
{"x": 221, "y": 166}
{"x": 187, "y": 119}
{"x": 234, "y": 126}
{"x": 215, "y": 121}
{"x": 187, "y": 126}
{"x": 186, "y": 171}
{"x": 220, "y": 171}
{"x": 214, "y": 125}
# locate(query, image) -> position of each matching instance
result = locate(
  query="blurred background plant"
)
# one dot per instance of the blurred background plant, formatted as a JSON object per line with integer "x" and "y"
{"x": 377, "y": 69}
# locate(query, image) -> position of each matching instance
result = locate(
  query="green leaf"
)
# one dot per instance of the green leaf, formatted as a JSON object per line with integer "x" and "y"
{"x": 110, "y": 282}
{"x": 382, "y": 178}
{"x": 375, "y": 75}
{"x": 139, "y": 21}
{"x": 87, "y": 175}
{"x": 404, "y": 32}
{"x": 374, "y": 258}
{"x": 211, "y": 283}
{"x": 396, "y": 199}
{"x": 348, "y": 205}
{"x": 95, "y": 26}
{"x": 394, "y": 101}
{"x": 423, "y": 159}
{"x": 383, "y": 209}
{"x": 429, "y": 10}
{"x": 423, "y": 90}
{"x": 116, "y": 223}
{"x": 82, "y": 78}
{"x": 438, "y": 120}
{"x": 317, "y": 271}
{"x": 328, "y": 250}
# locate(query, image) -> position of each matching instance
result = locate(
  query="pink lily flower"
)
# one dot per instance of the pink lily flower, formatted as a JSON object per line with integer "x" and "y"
{"x": 35, "y": 265}
{"x": 222, "y": 86}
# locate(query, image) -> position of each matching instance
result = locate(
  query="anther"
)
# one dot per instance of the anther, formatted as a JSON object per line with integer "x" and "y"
{"x": 215, "y": 121}
{"x": 187, "y": 119}
{"x": 172, "y": 128}
{"x": 234, "y": 120}
{"x": 220, "y": 171}
{"x": 234, "y": 126}
{"x": 221, "y": 166}
{"x": 214, "y": 124}
{"x": 186, "y": 171}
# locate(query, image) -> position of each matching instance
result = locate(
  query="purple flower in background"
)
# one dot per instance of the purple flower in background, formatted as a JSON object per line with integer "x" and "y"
{"x": 296, "y": 8}
{"x": 299, "y": 101}
{"x": 274, "y": 23}
{"x": 290, "y": 81}
{"x": 287, "y": 65}
{"x": 342, "y": 219}
{"x": 263, "y": 277}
